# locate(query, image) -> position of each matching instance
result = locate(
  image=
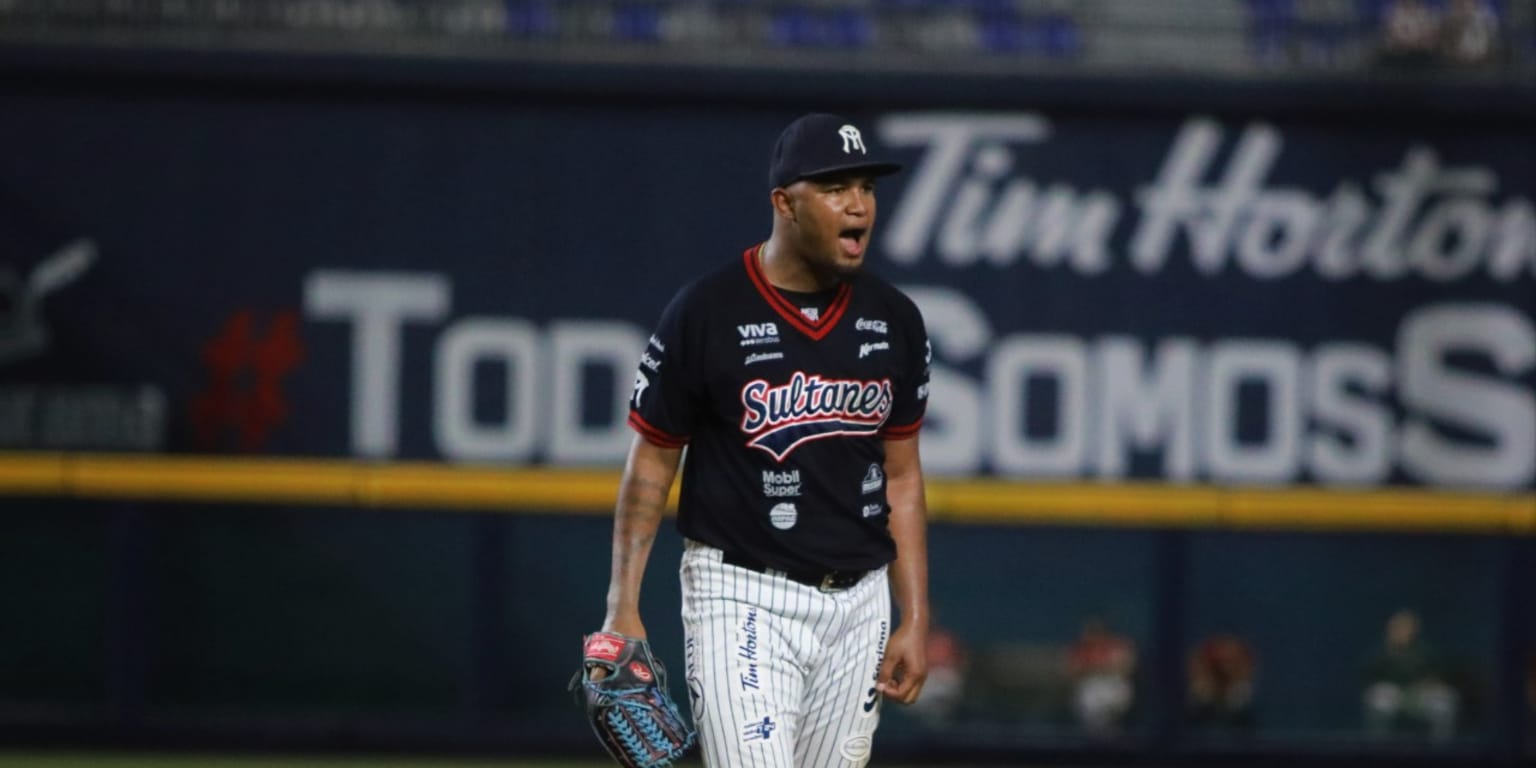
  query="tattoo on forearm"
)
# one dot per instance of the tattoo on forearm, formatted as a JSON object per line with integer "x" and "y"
{"x": 645, "y": 494}
{"x": 641, "y": 502}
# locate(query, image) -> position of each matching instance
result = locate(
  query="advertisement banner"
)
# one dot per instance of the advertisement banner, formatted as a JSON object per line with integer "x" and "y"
{"x": 1180, "y": 298}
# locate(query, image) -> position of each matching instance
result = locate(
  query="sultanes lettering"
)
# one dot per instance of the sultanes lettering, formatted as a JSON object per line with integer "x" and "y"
{"x": 778, "y": 418}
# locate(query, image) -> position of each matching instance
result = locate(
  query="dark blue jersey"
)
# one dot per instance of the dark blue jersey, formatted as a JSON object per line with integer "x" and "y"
{"x": 785, "y": 417}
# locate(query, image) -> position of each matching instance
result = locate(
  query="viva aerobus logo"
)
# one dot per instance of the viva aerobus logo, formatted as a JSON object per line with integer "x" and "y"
{"x": 757, "y": 330}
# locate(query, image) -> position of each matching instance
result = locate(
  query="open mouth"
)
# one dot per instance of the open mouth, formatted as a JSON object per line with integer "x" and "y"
{"x": 852, "y": 239}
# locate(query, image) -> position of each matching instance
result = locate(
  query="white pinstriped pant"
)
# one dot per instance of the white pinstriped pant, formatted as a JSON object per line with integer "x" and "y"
{"x": 780, "y": 674}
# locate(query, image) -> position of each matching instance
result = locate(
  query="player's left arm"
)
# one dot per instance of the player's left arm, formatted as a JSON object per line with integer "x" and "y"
{"x": 905, "y": 666}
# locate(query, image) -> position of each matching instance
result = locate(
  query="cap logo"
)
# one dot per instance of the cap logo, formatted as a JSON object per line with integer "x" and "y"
{"x": 852, "y": 140}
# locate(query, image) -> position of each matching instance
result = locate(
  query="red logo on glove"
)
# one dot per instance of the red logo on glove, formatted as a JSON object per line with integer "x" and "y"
{"x": 604, "y": 647}
{"x": 641, "y": 671}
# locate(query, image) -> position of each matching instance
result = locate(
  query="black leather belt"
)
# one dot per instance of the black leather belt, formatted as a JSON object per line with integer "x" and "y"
{"x": 826, "y": 581}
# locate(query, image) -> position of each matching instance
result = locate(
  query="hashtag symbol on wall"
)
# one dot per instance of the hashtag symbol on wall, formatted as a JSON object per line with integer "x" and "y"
{"x": 244, "y": 397}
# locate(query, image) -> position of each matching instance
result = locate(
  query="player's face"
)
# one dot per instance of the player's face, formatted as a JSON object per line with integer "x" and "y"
{"x": 836, "y": 215}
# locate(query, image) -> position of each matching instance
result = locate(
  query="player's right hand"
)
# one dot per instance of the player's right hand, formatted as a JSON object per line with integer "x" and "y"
{"x": 905, "y": 666}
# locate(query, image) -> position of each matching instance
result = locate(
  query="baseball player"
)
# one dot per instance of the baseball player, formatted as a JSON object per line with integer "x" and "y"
{"x": 798, "y": 384}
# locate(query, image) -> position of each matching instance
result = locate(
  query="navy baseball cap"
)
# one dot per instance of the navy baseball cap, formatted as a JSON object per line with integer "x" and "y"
{"x": 819, "y": 144}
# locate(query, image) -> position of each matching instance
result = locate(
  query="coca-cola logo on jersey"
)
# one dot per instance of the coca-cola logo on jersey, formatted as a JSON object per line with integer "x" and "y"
{"x": 779, "y": 418}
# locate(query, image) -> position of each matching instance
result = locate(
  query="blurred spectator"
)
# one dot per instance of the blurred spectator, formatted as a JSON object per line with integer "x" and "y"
{"x": 1410, "y": 33}
{"x": 1470, "y": 33}
{"x": 1323, "y": 31}
{"x": 1406, "y": 691}
{"x": 944, "y": 690}
{"x": 1102, "y": 666}
{"x": 1016, "y": 682}
{"x": 1270, "y": 28}
{"x": 1221, "y": 672}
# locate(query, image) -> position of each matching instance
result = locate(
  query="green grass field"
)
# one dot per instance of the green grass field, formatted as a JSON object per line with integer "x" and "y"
{"x": 97, "y": 760}
{"x": 89, "y": 760}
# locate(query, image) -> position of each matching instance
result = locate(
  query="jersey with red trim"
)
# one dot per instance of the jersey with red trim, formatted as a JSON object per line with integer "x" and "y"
{"x": 785, "y": 417}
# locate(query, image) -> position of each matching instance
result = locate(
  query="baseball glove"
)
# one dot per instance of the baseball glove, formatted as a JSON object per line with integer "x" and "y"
{"x": 630, "y": 709}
